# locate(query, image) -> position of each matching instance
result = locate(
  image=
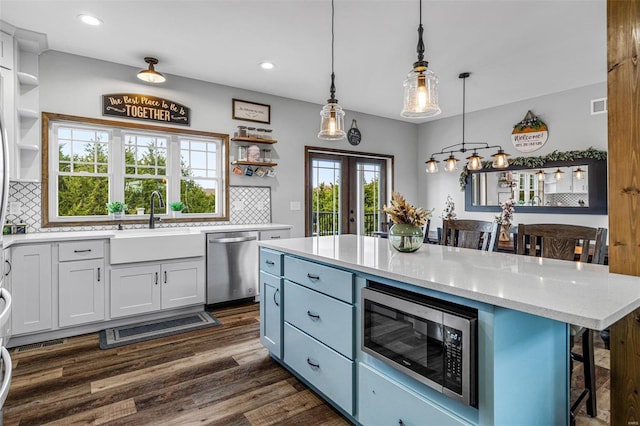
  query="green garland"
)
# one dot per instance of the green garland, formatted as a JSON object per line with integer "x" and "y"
{"x": 533, "y": 162}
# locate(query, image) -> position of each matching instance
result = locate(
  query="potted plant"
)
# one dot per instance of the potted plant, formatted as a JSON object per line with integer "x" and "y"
{"x": 116, "y": 208}
{"x": 176, "y": 208}
{"x": 406, "y": 233}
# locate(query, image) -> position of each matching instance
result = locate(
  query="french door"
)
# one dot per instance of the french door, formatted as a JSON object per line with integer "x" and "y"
{"x": 345, "y": 192}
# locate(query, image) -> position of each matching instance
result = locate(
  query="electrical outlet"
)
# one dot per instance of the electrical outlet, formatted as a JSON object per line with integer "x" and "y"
{"x": 15, "y": 207}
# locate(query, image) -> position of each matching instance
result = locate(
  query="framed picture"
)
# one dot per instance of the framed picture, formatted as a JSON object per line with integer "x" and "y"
{"x": 251, "y": 111}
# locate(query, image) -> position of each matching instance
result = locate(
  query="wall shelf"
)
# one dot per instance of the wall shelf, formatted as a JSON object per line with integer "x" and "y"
{"x": 27, "y": 113}
{"x": 253, "y": 163}
{"x": 27, "y": 79}
{"x": 254, "y": 140}
{"x": 26, "y": 147}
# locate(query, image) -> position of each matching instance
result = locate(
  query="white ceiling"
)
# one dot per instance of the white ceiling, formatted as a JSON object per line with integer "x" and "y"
{"x": 515, "y": 49}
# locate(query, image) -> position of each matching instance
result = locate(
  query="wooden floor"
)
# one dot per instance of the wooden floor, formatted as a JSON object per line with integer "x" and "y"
{"x": 216, "y": 376}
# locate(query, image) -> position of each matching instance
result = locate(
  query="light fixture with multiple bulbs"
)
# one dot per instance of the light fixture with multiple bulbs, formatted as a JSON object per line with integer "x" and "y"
{"x": 500, "y": 160}
{"x": 150, "y": 75}
{"x": 421, "y": 85}
{"x": 332, "y": 115}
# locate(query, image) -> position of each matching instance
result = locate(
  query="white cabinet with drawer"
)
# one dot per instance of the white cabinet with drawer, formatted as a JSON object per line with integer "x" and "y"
{"x": 81, "y": 282}
{"x": 275, "y": 234}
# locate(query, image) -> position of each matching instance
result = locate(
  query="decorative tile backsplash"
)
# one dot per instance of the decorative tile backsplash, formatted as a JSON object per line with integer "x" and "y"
{"x": 248, "y": 205}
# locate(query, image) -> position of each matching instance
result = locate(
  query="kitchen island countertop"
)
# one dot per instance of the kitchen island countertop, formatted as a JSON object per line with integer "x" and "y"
{"x": 573, "y": 292}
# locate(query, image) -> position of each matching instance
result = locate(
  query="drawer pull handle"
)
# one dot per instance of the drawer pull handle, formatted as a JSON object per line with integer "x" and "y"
{"x": 313, "y": 364}
{"x": 82, "y": 251}
{"x": 314, "y": 316}
{"x": 275, "y": 300}
{"x": 270, "y": 262}
{"x": 313, "y": 277}
{"x": 275, "y": 237}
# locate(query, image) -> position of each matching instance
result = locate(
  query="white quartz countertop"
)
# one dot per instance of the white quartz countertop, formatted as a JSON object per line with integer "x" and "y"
{"x": 44, "y": 237}
{"x": 572, "y": 292}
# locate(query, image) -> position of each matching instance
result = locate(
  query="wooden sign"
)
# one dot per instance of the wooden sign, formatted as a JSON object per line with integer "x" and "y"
{"x": 145, "y": 107}
{"x": 529, "y": 134}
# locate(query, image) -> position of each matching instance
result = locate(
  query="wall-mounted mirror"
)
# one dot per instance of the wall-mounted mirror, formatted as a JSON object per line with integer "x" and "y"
{"x": 576, "y": 187}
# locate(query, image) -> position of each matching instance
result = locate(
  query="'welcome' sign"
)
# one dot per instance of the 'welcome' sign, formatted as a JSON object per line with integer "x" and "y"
{"x": 144, "y": 107}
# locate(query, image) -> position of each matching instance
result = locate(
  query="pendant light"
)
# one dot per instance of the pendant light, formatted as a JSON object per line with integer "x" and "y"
{"x": 500, "y": 160}
{"x": 150, "y": 75}
{"x": 420, "y": 86}
{"x": 332, "y": 115}
{"x": 540, "y": 175}
{"x": 558, "y": 174}
{"x": 579, "y": 173}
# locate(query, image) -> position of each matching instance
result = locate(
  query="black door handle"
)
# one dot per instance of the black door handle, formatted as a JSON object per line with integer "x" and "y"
{"x": 313, "y": 364}
{"x": 274, "y": 297}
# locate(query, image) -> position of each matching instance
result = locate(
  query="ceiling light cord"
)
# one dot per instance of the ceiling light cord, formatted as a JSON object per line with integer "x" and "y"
{"x": 420, "y": 41}
{"x": 332, "y": 89}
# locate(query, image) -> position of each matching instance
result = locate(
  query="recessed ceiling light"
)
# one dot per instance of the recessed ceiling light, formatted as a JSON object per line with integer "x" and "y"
{"x": 90, "y": 20}
{"x": 266, "y": 65}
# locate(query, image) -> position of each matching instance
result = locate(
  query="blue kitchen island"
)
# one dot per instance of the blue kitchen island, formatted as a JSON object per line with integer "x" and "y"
{"x": 315, "y": 320}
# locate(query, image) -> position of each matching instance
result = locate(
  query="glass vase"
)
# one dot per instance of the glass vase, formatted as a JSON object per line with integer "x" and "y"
{"x": 405, "y": 237}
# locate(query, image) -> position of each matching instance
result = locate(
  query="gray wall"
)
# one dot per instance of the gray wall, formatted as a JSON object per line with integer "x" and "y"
{"x": 73, "y": 85}
{"x": 571, "y": 127}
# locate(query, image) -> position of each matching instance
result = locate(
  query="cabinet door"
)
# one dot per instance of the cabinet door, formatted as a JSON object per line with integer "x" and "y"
{"x": 81, "y": 292}
{"x": 6, "y": 51}
{"x": 271, "y": 313}
{"x": 135, "y": 290}
{"x": 182, "y": 284}
{"x": 31, "y": 283}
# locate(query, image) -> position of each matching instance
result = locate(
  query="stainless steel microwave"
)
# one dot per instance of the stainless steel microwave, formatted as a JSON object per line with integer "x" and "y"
{"x": 431, "y": 340}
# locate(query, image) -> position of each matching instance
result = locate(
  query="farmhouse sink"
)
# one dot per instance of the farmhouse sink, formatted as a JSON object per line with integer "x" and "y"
{"x": 143, "y": 245}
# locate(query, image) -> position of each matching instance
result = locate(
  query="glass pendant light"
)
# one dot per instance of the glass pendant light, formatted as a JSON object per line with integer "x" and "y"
{"x": 451, "y": 164}
{"x": 558, "y": 174}
{"x": 421, "y": 85}
{"x": 432, "y": 165}
{"x": 500, "y": 160}
{"x": 332, "y": 115}
{"x": 475, "y": 161}
{"x": 150, "y": 75}
{"x": 540, "y": 174}
{"x": 579, "y": 173}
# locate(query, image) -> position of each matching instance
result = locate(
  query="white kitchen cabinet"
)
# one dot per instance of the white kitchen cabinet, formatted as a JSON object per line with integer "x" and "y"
{"x": 139, "y": 289}
{"x": 135, "y": 290}
{"x": 7, "y": 105}
{"x": 275, "y": 234}
{"x": 31, "y": 285}
{"x": 81, "y": 292}
{"x": 183, "y": 284}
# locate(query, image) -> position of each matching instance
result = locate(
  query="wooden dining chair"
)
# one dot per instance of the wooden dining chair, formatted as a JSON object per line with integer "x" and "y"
{"x": 564, "y": 242}
{"x": 473, "y": 234}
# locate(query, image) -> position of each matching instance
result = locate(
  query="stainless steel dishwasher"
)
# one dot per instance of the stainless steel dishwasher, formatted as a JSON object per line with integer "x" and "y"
{"x": 232, "y": 266}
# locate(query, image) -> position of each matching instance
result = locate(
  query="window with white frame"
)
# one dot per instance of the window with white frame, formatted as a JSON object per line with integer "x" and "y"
{"x": 92, "y": 162}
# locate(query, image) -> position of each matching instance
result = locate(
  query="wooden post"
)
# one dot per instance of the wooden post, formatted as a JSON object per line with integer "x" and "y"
{"x": 623, "y": 48}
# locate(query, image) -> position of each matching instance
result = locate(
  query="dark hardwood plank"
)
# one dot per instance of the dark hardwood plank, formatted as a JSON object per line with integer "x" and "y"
{"x": 212, "y": 376}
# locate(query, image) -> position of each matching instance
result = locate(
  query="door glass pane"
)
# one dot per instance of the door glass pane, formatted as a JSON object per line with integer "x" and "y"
{"x": 369, "y": 198}
{"x": 325, "y": 208}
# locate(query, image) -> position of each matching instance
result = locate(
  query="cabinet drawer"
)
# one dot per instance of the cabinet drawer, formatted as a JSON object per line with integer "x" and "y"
{"x": 325, "y": 318}
{"x": 271, "y": 261}
{"x": 275, "y": 234}
{"x": 325, "y": 279}
{"x": 81, "y": 250}
{"x": 384, "y": 402}
{"x": 324, "y": 368}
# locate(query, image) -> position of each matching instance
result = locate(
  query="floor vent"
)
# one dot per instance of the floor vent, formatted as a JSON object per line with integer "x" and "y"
{"x": 34, "y": 346}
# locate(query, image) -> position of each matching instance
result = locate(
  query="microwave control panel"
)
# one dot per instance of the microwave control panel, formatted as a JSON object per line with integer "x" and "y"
{"x": 453, "y": 359}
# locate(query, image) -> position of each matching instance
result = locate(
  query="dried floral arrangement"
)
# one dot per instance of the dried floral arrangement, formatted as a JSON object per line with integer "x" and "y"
{"x": 402, "y": 213}
{"x": 449, "y": 209}
{"x": 506, "y": 215}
